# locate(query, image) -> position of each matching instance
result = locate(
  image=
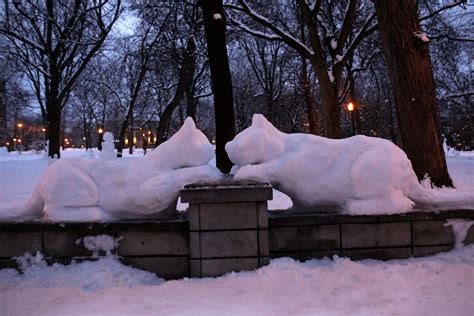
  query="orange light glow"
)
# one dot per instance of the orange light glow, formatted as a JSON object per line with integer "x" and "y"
{"x": 101, "y": 130}
{"x": 19, "y": 125}
{"x": 350, "y": 107}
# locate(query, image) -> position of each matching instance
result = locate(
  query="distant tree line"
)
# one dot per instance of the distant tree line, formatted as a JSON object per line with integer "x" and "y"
{"x": 139, "y": 68}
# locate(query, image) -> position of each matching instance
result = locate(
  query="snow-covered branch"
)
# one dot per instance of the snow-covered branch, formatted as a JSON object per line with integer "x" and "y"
{"x": 253, "y": 32}
{"x": 443, "y": 8}
{"x": 286, "y": 37}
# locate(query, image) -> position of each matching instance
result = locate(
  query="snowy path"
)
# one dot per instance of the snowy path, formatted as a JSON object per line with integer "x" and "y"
{"x": 438, "y": 285}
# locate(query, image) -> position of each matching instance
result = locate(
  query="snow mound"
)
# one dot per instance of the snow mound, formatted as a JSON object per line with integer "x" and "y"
{"x": 357, "y": 175}
{"x": 89, "y": 276}
{"x": 4, "y": 152}
{"x": 82, "y": 189}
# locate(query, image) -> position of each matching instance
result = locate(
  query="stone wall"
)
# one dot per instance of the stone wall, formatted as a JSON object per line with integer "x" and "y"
{"x": 160, "y": 247}
{"x": 164, "y": 247}
{"x": 382, "y": 237}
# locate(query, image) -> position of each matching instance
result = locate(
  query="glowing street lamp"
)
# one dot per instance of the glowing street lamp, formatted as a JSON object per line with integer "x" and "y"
{"x": 350, "y": 108}
{"x": 100, "y": 130}
{"x": 19, "y": 125}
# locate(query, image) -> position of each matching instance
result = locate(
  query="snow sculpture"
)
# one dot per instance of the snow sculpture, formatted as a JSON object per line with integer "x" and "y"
{"x": 108, "y": 148}
{"x": 357, "y": 175}
{"x": 81, "y": 189}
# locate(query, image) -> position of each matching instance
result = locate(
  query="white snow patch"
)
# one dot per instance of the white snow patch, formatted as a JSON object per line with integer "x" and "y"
{"x": 3, "y": 152}
{"x": 98, "y": 243}
{"x": 217, "y": 16}
{"x": 27, "y": 261}
{"x": 460, "y": 229}
{"x": 422, "y": 36}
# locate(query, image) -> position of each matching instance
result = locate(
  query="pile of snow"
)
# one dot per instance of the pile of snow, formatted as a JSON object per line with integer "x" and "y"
{"x": 81, "y": 189}
{"x": 108, "y": 148}
{"x": 357, "y": 175}
{"x": 3, "y": 151}
{"x": 437, "y": 285}
{"x": 460, "y": 229}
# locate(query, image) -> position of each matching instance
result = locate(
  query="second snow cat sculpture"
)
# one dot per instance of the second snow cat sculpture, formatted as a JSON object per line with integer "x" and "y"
{"x": 84, "y": 189}
{"x": 356, "y": 175}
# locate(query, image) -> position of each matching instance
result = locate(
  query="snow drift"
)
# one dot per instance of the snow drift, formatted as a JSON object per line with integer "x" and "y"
{"x": 82, "y": 189}
{"x": 357, "y": 175}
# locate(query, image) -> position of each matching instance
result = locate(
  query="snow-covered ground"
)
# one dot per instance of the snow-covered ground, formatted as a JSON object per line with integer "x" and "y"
{"x": 437, "y": 285}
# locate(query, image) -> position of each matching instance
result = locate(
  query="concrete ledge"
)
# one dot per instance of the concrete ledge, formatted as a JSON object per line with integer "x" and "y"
{"x": 283, "y": 218}
{"x": 432, "y": 233}
{"x": 218, "y": 267}
{"x": 17, "y": 243}
{"x": 166, "y": 267}
{"x": 226, "y": 192}
{"x": 378, "y": 253}
{"x": 139, "y": 243}
{"x": 376, "y": 235}
{"x": 298, "y": 238}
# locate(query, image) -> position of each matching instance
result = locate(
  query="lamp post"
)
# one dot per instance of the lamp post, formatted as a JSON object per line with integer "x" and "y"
{"x": 20, "y": 133}
{"x": 101, "y": 136}
{"x": 45, "y": 138}
{"x": 350, "y": 108}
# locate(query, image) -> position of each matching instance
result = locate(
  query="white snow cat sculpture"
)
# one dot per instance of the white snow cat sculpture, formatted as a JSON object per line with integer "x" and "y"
{"x": 82, "y": 189}
{"x": 357, "y": 175}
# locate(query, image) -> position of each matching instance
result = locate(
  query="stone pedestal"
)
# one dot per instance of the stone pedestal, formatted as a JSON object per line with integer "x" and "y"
{"x": 228, "y": 226}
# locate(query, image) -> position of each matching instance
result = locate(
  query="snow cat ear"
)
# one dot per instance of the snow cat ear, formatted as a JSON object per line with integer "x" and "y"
{"x": 188, "y": 125}
{"x": 259, "y": 120}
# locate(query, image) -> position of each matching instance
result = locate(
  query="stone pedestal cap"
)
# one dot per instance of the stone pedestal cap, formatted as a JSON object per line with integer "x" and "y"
{"x": 226, "y": 190}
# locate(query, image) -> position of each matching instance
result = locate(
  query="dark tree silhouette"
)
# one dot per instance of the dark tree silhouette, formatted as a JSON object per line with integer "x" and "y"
{"x": 214, "y": 26}
{"x": 408, "y": 60}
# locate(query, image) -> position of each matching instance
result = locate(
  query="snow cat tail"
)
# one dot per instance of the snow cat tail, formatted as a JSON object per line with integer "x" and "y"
{"x": 440, "y": 198}
{"x": 24, "y": 210}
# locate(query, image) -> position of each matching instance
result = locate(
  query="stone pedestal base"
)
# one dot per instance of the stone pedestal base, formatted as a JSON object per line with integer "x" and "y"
{"x": 228, "y": 225}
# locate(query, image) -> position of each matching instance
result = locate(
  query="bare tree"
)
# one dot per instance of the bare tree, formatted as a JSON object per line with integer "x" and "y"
{"x": 55, "y": 40}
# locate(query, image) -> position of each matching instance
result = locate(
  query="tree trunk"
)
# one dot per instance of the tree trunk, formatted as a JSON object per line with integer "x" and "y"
{"x": 54, "y": 128}
{"x": 100, "y": 137}
{"x": 353, "y": 99}
{"x": 214, "y": 26}
{"x": 121, "y": 139}
{"x": 186, "y": 76}
{"x": 411, "y": 73}
{"x": 328, "y": 80}
{"x": 310, "y": 107}
{"x": 3, "y": 113}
